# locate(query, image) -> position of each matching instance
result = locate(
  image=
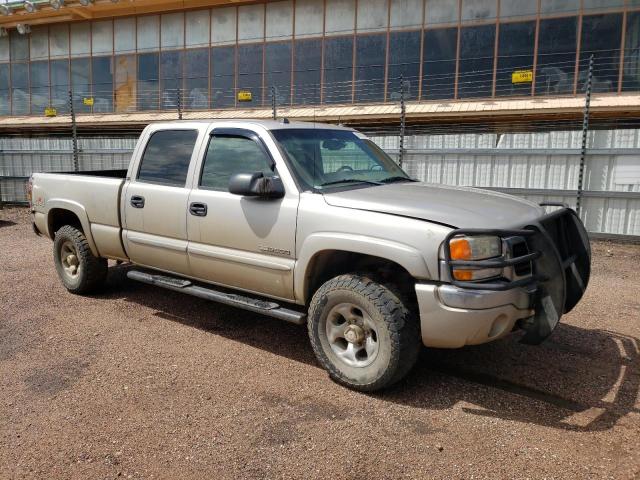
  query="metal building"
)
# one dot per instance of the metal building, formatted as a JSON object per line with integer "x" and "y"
{"x": 494, "y": 89}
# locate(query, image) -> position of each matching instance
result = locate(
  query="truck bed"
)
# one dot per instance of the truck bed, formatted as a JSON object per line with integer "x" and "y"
{"x": 94, "y": 197}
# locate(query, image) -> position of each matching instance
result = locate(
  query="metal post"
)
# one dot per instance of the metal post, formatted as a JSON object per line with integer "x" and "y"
{"x": 585, "y": 132}
{"x": 402, "y": 121}
{"x": 74, "y": 133}
{"x": 274, "y": 103}
{"x": 179, "y": 103}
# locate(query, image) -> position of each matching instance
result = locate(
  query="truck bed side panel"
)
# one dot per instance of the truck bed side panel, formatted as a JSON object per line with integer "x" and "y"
{"x": 95, "y": 201}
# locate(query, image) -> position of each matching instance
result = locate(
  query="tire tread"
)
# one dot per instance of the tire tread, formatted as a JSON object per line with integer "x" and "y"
{"x": 95, "y": 267}
{"x": 402, "y": 325}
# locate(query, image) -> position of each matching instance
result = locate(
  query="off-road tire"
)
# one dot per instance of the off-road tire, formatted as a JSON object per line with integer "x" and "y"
{"x": 92, "y": 270}
{"x": 399, "y": 332}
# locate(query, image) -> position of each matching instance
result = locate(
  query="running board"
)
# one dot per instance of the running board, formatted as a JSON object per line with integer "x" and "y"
{"x": 264, "y": 307}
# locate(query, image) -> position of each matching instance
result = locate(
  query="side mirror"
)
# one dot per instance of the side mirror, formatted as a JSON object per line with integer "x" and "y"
{"x": 256, "y": 185}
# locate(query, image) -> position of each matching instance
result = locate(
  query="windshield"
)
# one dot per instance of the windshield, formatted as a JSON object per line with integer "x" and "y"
{"x": 323, "y": 158}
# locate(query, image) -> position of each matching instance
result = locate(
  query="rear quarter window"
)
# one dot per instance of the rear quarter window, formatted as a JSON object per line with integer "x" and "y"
{"x": 166, "y": 157}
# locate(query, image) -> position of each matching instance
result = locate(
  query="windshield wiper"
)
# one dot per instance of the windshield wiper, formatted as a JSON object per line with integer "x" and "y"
{"x": 397, "y": 179}
{"x": 350, "y": 180}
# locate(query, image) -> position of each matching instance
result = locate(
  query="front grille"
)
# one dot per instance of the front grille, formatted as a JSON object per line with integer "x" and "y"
{"x": 519, "y": 249}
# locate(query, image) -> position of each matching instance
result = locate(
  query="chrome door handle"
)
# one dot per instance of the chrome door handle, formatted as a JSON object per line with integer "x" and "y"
{"x": 198, "y": 209}
{"x": 137, "y": 201}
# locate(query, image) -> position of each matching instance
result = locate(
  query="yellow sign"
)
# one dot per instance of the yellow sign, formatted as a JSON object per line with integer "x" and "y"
{"x": 50, "y": 112}
{"x": 244, "y": 96}
{"x": 522, "y": 76}
{"x": 88, "y": 101}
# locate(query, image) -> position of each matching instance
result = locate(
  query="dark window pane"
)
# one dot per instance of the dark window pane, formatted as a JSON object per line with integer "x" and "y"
{"x": 148, "y": 83}
{"x": 4, "y": 89}
{"x": 601, "y": 38}
{"x": 631, "y": 68}
{"x": 338, "y": 69}
{"x": 196, "y": 83}
{"x": 439, "y": 69}
{"x": 223, "y": 73}
{"x": 39, "y": 87}
{"x": 371, "y": 52}
{"x": 60, "y": 85}
{"x": 307, "y": 73}
{"x": 166, "y": 157}
{"x": 404, "y": 61}
{"x": 515, "y": 52}
{"x": 102, "y": 68}
{"x": 556, "y": 56}
{"x": 277, "y": 70}
{"x": 20, "y": 88}
{"x": 81, "y": 83}
{"x": 475, "y": 75}
{"x": 19, "y": 46}
{"x": 170, "y": 78}
{"x": 227, "y": 156}
{"x": 250, "y": 71}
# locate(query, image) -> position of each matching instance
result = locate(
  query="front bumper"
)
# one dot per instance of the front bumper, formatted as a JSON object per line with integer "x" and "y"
{"x": 452, "y": 317}
{"x": 551, "y": 277}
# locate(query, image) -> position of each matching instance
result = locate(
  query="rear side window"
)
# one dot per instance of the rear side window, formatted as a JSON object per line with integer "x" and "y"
{"x": 228, "y": 155}
{"x": 166, "y": 157}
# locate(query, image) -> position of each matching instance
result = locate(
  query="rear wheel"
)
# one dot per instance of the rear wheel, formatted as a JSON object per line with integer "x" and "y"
{"x": 79, "y": 270}
{"x": 362, "y": 333}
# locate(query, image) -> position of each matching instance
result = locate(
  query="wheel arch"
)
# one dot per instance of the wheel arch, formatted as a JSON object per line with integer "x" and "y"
{"x": 65, "y": 212}
{"x": 326, "y": 256}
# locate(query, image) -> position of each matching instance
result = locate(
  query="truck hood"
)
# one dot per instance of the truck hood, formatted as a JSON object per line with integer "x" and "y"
{"x": 458, "y": 207}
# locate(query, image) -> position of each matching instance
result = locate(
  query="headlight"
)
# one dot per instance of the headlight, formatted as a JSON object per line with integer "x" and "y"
{"x": 479, "y": 247}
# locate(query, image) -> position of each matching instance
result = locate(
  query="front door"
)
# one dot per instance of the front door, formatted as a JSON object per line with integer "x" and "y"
{"x": 156, "y": 199}
{"x": 241, "y": 242}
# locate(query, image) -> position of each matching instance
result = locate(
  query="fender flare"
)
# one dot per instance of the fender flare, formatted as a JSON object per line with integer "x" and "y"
{"x": 79, "y": 211}
{"x": 404, "y": 255}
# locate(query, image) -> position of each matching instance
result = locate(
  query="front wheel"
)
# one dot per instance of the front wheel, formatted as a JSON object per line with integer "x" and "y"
{"x": 362, "y": 333}
{"x": 78, "y": 268}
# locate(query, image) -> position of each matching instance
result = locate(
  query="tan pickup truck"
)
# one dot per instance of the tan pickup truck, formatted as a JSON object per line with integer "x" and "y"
{"x": 315, "y": 224}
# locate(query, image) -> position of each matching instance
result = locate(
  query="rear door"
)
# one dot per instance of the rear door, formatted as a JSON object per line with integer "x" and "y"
{"x": 242, "y": 242}
{"x": 155, "y": 201}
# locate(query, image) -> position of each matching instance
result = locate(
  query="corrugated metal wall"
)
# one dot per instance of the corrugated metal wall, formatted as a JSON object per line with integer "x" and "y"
{"x": 537, "y": 166}
{"x": 540, "y": 167}
{"x": 20, "y": 157}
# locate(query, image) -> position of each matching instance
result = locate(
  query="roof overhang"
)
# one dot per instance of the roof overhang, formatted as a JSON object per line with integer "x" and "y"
{"x": 99, "y": 9}
{"x": 504, "y": 112}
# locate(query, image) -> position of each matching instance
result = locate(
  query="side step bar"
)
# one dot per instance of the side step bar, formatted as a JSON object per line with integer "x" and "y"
{"x": 271, "y": 309}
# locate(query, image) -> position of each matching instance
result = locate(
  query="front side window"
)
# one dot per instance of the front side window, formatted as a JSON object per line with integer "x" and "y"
{"x": 228, "y": 155}
{"x": 325, "y": 158}
{"x": 166, "y": 157}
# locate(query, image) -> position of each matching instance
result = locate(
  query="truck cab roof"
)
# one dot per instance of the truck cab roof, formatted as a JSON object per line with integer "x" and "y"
{"x": 266, "y": 124}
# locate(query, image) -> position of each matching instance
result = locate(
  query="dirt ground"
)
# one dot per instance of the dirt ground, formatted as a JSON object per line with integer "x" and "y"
{"x": 138, "y": 382}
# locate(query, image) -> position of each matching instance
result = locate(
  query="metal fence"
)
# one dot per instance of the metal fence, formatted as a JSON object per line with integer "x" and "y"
{"x": 541, "y": 166}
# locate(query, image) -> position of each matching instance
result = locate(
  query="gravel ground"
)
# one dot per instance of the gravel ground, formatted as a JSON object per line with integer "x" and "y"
{"x": 138, "y": 382}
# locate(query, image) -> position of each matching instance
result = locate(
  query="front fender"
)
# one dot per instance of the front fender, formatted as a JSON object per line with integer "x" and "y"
{"x": 79, "y": 211}
{"x": 406, "y": 256}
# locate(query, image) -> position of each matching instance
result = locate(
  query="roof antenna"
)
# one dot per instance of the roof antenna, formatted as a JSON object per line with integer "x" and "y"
{"x": 284, "y": 120}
